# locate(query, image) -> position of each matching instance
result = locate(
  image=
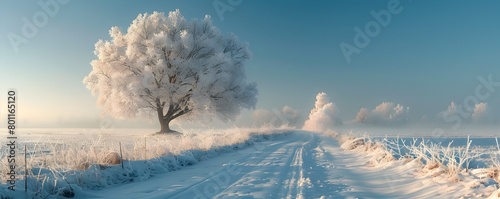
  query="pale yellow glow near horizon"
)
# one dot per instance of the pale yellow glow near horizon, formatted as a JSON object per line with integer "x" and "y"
{"x": 40, "y": 106}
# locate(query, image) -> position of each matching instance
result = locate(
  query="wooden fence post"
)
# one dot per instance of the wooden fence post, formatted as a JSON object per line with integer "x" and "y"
{"x": 121, "y": 154}
{"x": 25, "y": 170}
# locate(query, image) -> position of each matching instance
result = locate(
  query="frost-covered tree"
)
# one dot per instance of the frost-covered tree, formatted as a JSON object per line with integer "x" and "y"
{"x": 168, "y": 67}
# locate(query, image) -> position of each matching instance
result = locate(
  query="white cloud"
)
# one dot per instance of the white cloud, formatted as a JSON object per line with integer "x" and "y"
{"x": 481, "y": 113}
{"x": 457, "y": 113}
{"x": 362, "y": 115}
{"x": 275, "y": 117}
{"x": 451, "y": 111}
{"x": 291, "y": 115}
{"x": 323, "y": 116}
{"x": 387, "y": 113}
{"x": 262, "y": 117}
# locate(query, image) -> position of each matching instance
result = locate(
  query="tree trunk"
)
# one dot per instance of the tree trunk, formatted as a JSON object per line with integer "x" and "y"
{"x": 165, "y": 126}
{"x": 164, "y": 122}
{"x": 165, "y": 119}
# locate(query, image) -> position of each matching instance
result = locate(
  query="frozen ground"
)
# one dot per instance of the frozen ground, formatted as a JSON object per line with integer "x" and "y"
{"x": 301, "y": 165}
{"x": 294, "y": 165}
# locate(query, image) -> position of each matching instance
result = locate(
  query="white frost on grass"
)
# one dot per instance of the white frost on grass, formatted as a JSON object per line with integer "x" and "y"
{"x": 444, "y": 166}
{"x": 55, "y": 169}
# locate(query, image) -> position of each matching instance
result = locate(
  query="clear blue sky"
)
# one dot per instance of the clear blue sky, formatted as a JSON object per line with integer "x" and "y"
{"x": 430, "y": 53}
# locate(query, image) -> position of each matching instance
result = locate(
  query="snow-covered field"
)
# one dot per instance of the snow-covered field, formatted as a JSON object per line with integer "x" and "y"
{"x": 246, "y": 163}
{"x": 63, "y": 161}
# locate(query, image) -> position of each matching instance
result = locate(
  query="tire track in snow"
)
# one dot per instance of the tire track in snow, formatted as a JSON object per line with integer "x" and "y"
{"x": 315, "y": 178}
{"x": 296, "y": 180}
{"x": 241, "y": 168}
{"x": 297, "y": 162}
{"x": 296, "y": 171}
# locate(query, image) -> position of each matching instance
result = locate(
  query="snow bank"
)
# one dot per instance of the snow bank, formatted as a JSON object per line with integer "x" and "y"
{"x": 444, "y": 165}
{"x": 376, "y": 151}
{"x": 51, "y": 182}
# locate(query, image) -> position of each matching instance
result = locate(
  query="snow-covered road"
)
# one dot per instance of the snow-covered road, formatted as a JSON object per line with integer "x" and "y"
{"x": 298, "y": 165}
